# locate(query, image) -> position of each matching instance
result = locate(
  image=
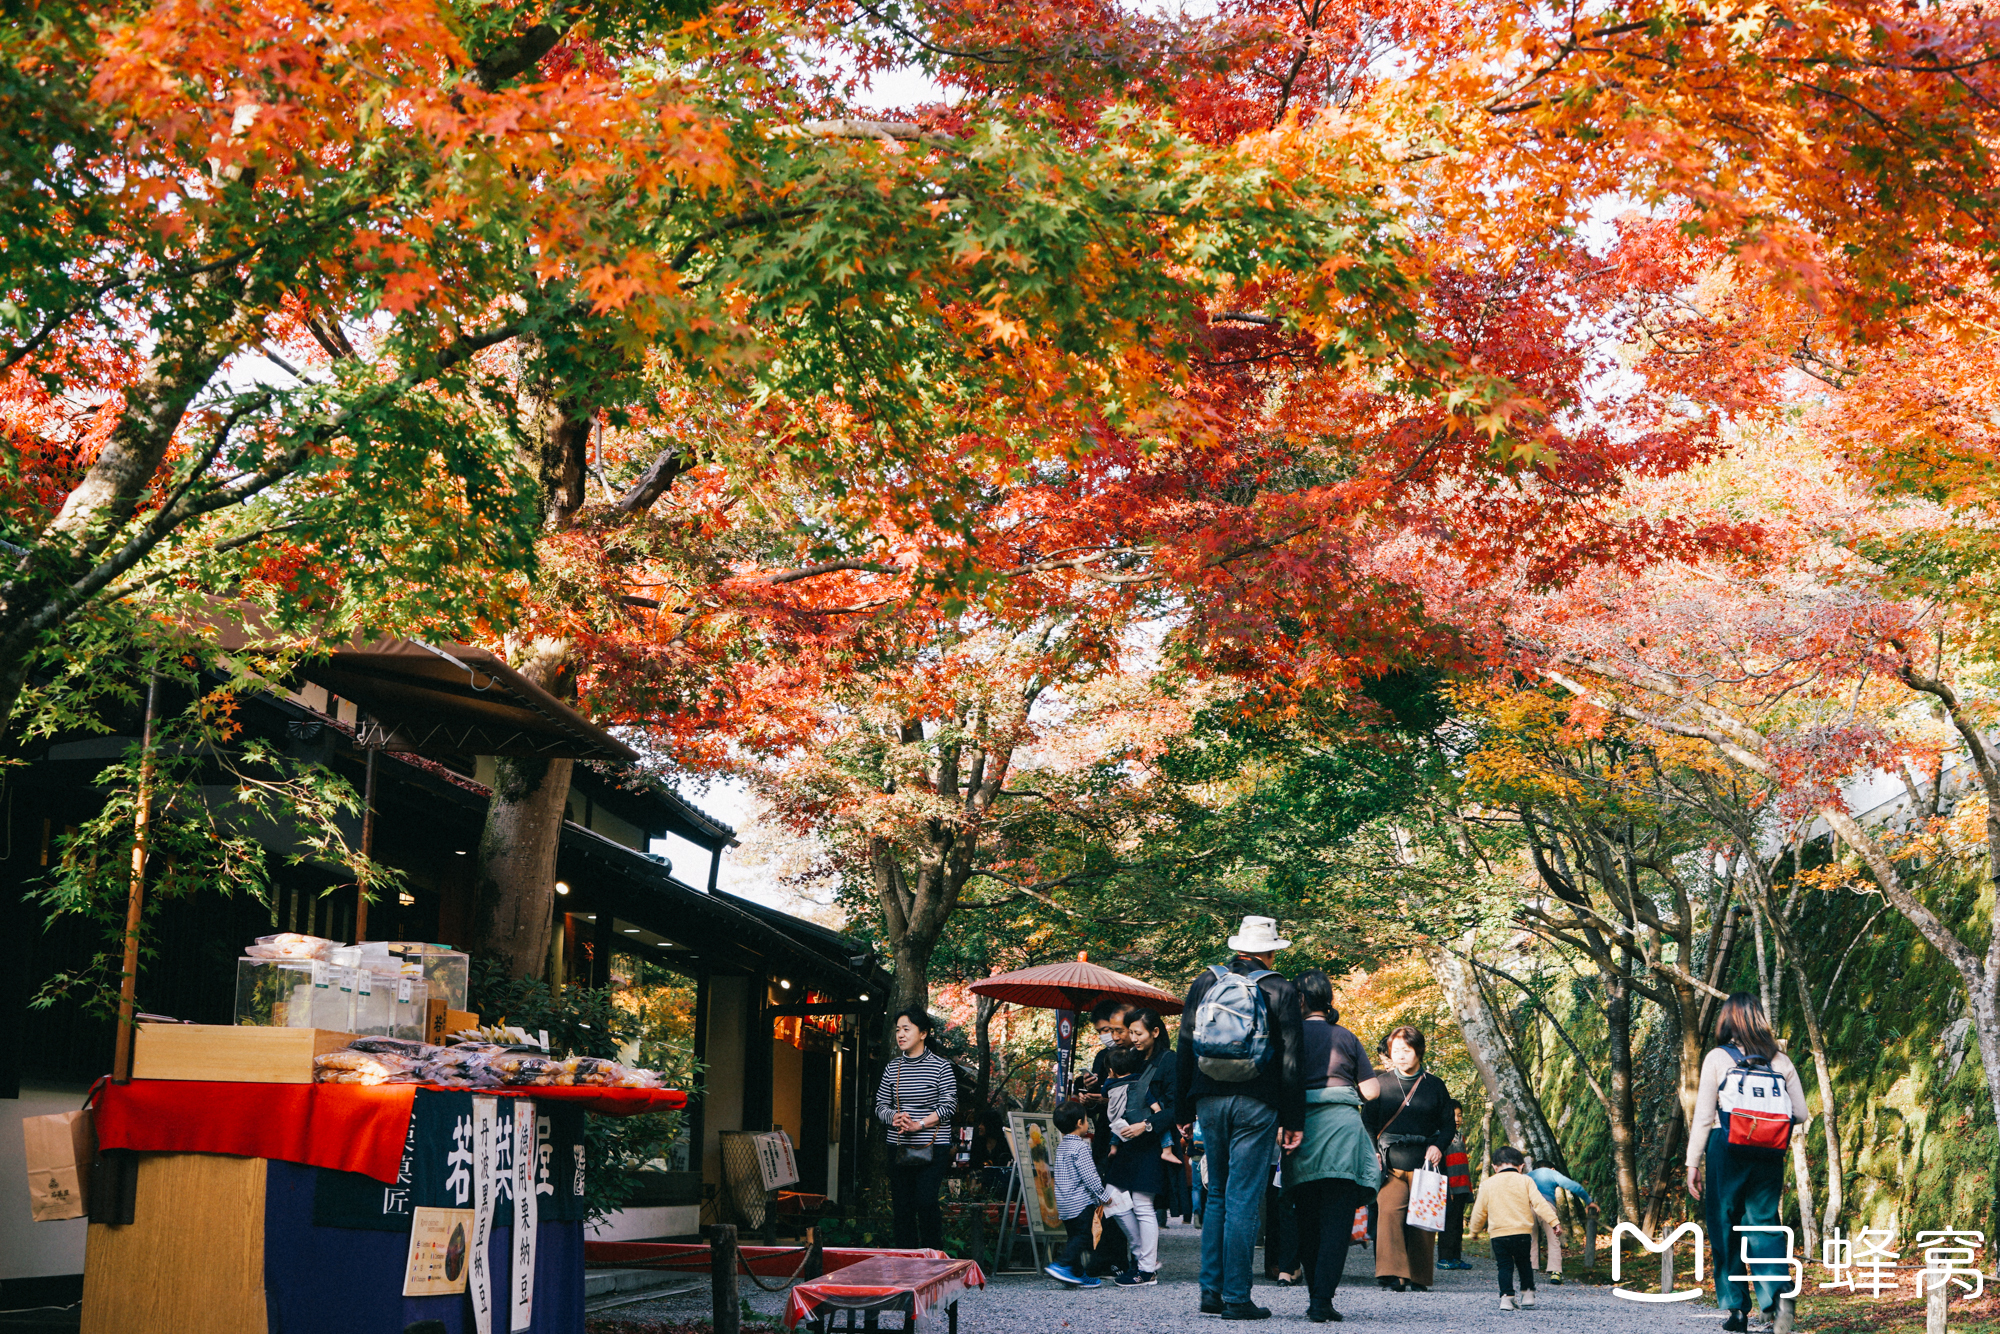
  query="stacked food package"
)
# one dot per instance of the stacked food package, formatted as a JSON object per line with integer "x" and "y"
{"x": 470, "y": 1060}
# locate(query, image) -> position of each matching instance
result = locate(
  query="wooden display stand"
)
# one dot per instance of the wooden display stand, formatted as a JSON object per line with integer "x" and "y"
{"x": 191, "y": 1261}
{"x": 231, "y": 1053}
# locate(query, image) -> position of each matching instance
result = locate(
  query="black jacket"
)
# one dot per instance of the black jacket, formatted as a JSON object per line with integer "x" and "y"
{"x": 1281, "y": 1083}
{"x": 1425, "y": 1122}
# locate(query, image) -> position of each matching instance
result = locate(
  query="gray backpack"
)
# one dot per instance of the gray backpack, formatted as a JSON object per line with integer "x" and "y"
{"x": 1232, "y": 1030}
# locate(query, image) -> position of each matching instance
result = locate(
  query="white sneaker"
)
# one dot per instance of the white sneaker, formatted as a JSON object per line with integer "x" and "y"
{"x": 1527, "y": 1298}
{"x": 1506, "y": 1302}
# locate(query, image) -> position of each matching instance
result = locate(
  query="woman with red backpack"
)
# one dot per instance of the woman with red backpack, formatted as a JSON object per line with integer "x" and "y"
{"x": 1749, "y": 1103}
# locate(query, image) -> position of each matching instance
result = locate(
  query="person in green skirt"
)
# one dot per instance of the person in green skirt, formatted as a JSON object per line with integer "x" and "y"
{"x": 1333, "y": 1172}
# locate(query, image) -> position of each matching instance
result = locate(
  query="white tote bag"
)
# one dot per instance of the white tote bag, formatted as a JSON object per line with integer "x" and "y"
{"x": 1428, "y": 1190}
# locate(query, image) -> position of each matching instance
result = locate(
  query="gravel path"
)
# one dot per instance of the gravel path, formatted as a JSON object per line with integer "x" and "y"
{"x": 1463, "y": 1302}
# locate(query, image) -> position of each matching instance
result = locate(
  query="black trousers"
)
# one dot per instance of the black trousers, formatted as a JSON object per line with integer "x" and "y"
{"x": 1325, "y": 1210}
{"x": 1281, "y": 1233}
{"x": 1078, "y": 1245}
{"x": 913, "y": 1199}
{"x": 1510, "y": 1254}
{"x": 1451, "y": 1242}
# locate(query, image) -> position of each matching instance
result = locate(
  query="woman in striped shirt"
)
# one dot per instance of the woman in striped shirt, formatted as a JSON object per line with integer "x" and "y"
{"x": 916, "y": 1098}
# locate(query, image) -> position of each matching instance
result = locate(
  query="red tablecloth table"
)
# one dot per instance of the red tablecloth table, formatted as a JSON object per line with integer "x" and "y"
{"x": 348, "y": 1127}
{"x": 913, "y": 1285}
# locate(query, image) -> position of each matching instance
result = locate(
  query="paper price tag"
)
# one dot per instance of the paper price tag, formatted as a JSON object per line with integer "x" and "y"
{"x": 542, "y": 1036}
{"x": 403, "y": 991}
{"x": 364, "y": 982}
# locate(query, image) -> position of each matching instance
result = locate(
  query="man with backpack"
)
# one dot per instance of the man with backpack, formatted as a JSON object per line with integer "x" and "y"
{"x": 1238, "y": 1071}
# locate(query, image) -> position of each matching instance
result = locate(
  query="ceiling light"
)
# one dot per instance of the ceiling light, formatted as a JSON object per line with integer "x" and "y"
{"x": 785, "y": 984}
{"x": 562, "y": 887}
{"x": 459, "y": 853}
{"x": 406, "y": 898}
{"x": 864, "y": 995}
{"x": 590, "y": 917}
{"x": 631, "y": 930}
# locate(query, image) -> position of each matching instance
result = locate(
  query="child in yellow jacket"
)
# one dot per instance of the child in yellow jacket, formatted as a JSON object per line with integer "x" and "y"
{"x": 1507, "y": 1208}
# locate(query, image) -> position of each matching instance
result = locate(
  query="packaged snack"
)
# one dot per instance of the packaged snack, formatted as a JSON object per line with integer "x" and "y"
{"x": 593, "y": 1071}
{"x": 348, "y": 1066}
{"x": 515, "y": 1068}
{"x": 420, "y": 1051}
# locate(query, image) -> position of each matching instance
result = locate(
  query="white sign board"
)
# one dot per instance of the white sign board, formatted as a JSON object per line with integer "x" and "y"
{"x": 775, "y": 1162}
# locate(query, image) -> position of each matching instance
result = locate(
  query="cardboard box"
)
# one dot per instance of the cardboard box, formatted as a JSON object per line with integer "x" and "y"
{"x": 440, "y": 1021}
{"x": 60, "y": 1149}
{"x": 231, "y": 1053}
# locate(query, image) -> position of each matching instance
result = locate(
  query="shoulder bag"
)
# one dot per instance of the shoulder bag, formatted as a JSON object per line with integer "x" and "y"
{"x": 903, "y": 1154}
{"x": 1381, "y": 1155}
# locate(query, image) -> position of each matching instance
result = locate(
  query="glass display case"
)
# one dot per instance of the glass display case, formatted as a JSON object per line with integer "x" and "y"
{"x": 275, "y": 993}
{"x": 445, "y": 970}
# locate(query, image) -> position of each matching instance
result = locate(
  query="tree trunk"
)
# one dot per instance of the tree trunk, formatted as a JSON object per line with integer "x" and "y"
{"x": 515, "y": 894}
{"x": 1822, "y": 1069}
{"x": 1802, "y": 1177}
{"x": 516, "y": 891}
{"x": 984, "y": 1010}
{"x": 1513, "y": 1098}
{"x": 1624, "y": 1137}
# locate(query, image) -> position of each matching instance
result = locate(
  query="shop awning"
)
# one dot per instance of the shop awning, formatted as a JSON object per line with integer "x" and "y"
{"x": 456, "y": 699}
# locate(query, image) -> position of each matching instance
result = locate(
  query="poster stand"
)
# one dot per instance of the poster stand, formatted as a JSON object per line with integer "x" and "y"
{"x": 1035, "y": 1138}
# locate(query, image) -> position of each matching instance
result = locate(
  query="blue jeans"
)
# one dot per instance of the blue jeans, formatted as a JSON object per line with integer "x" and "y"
{"x": 1744, "y": 1188}
{"x": 1241, "y": 1134}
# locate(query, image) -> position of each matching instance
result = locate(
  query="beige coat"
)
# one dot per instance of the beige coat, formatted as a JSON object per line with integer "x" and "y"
{"x": 1508, "y": 1205}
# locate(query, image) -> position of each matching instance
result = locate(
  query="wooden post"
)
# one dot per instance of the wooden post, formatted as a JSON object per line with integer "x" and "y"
{"x": 1589, "y": 1240}
{"x": 771, "y": 1218}
{"x": 728, "y": 1312}
{"x": 1666, "y": 1266}
{"x": 1935, "y": 1300}
{"x": 367, "y": 848}
{"x": 976, "y": 1235}
{"x": 135, "y": 901}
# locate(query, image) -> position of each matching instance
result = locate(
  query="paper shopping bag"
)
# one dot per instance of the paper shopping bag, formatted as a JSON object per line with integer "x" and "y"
{"x": 60, "y": 1149}
{"x": 1428, "y": 1191}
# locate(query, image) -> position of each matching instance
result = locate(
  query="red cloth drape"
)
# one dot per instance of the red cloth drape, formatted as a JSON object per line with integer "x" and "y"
{"x": 350, "y": 1127}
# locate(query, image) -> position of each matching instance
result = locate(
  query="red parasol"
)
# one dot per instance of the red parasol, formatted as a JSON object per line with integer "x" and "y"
{"x": 1073, "y": 986}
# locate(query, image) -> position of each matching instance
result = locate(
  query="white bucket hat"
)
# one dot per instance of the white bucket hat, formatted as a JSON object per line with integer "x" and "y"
{"x": 1258, "y": 935}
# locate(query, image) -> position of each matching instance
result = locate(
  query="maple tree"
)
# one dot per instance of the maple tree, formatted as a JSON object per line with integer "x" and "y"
{"x": 1799, "y": 668}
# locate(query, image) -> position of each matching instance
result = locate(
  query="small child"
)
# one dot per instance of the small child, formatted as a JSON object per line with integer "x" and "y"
{"x": 1079, "y": 1190}
{"x": 1507, "y": 1208}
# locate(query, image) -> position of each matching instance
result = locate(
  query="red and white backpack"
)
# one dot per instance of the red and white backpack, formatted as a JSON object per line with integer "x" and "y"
{"x": 1756, "y": 1106}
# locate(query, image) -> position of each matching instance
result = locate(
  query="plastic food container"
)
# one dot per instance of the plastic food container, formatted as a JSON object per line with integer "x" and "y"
{"x": 374, "y": 1002}
{"x": 275, "y": 993}
{"x": 445, "y": 969}
{"x": 409, "y": 1009}
{"x": 333, "y": 999}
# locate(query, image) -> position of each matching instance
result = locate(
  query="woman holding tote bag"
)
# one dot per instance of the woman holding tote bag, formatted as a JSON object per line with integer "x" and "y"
{"x": 916, "y": 1099}
{"x": 1412, "y": 1124}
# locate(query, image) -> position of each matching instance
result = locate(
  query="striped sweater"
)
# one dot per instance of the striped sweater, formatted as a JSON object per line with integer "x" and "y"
{"x": 1078, "y": 1187}
{"x": 927, "y": 1084}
